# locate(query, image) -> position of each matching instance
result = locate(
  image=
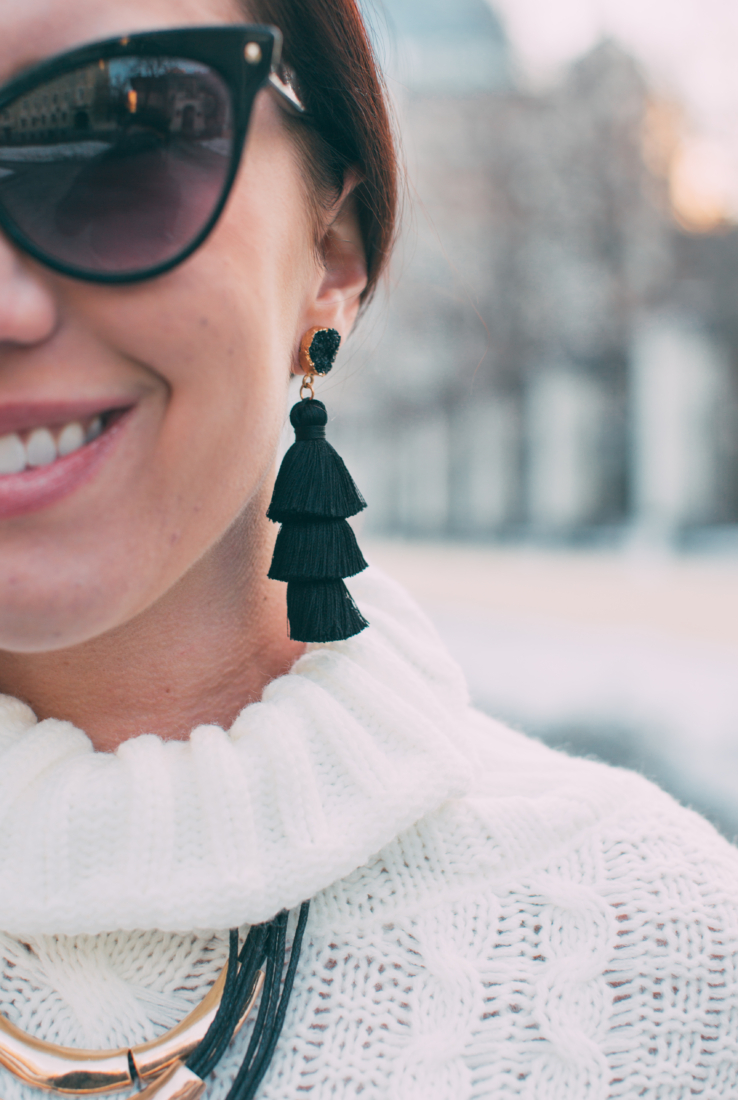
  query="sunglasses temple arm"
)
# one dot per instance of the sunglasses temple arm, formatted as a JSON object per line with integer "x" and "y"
{"x": 284, "y": 91}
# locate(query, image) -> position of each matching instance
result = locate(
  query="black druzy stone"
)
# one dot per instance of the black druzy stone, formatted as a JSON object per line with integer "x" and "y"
{"x": 324, "y": 348}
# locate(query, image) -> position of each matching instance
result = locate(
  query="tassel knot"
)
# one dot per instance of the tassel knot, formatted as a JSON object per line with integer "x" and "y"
{"x": 308, "y": 413}
{"x": 311, "y": 431}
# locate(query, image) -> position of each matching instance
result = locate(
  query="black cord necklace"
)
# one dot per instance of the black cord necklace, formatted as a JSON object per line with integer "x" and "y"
{"x": 265, "y": 949}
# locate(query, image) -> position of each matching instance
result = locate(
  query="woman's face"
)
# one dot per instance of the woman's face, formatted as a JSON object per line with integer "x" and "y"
{"x": 199, "y": 358}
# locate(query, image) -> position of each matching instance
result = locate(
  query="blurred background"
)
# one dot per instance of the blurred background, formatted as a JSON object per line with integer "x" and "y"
{"x": 542, "y": 409}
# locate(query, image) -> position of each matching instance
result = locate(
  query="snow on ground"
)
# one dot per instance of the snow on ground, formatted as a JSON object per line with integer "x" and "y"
{"x": 631, "y": 659}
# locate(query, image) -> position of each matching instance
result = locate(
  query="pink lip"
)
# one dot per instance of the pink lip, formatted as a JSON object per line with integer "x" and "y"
{"x": 39, "y": 488}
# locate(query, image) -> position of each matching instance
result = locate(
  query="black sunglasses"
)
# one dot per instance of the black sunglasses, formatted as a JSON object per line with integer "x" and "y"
{"x": 116, "y": 159}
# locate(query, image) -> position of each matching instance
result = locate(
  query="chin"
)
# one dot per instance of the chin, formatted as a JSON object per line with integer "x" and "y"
{"x": 41, "y": 615}
{"x": 34, "y": 633}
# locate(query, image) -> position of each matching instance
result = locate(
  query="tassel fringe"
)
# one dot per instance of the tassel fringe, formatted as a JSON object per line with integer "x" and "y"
{"x": 322, "y": 611}
{"x": 316, "y": 551}
{"x": 313, "y": 481}
{"x": 314, "y": 494}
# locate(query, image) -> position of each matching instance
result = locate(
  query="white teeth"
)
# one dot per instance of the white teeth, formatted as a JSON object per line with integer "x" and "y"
{"x": 40, "y": 448}
{"x": 72, "y": 437}
{"x": 12, "y": 454}
{"x": 94, "y": 429}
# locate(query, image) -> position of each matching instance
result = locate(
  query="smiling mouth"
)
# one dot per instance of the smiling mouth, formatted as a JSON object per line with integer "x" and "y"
{"x": 43, "y": 446}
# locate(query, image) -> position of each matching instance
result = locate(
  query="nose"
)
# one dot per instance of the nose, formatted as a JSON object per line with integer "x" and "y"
{"x": 28, "y": 309}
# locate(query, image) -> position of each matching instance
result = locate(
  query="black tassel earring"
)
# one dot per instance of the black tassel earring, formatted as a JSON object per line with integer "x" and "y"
{"x": 314, "y": 495}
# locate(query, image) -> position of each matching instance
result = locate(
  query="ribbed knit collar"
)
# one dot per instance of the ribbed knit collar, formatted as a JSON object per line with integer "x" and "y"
{"x": 354, "y": 745}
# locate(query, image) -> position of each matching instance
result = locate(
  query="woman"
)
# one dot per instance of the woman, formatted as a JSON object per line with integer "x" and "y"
{"x": 486, "y": 917}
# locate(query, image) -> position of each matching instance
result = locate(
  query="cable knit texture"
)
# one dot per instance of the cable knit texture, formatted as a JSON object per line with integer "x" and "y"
{"x": 489, "y": 918}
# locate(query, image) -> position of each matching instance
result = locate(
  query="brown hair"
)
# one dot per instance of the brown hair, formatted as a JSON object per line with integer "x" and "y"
{"x": 326, "y": 43}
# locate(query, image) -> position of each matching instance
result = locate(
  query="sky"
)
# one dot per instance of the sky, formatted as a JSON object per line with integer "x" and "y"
{"x": 690, "y": 50}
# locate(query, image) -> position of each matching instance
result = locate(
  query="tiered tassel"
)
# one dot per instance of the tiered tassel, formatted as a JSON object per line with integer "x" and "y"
{"x": 314, "y": 495}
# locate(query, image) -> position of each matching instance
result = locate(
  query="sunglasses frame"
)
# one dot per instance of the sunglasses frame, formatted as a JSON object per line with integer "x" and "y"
{"x": 222, "y": 48}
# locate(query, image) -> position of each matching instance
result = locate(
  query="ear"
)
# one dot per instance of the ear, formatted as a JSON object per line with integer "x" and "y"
{"x": 338, "y": 287}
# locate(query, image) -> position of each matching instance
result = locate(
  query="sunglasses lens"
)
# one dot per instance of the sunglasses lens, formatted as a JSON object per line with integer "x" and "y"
{"x": 117, "y": 167}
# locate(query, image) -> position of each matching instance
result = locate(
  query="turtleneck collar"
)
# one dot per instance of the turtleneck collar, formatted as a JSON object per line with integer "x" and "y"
{"x": 360, "y": 740}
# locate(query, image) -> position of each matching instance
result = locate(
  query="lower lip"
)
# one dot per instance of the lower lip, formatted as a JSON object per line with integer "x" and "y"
{"x": 44, "y": 486}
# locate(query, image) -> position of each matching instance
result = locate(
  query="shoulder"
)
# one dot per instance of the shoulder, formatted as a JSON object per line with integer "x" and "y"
{"x": 535, "y": 816}
{"x": 539, "y": 805}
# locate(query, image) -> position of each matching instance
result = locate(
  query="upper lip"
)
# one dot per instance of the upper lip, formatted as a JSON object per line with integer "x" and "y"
{"x": 26, "y": 415}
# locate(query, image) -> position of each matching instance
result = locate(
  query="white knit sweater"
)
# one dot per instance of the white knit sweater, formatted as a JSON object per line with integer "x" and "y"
{"x": 490, "y": 919}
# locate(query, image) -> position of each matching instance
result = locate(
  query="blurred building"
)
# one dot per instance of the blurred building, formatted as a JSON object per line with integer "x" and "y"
{"x": 556, "y": 358}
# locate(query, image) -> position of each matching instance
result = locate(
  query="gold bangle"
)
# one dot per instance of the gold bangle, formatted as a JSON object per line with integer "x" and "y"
{"x": 64, "y": 1069}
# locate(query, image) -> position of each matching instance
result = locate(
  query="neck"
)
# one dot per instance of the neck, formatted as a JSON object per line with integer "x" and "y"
{"x": 199, "y": 655}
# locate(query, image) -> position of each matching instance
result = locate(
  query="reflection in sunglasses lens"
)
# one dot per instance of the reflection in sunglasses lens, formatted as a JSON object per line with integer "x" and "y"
{"x": 118, "y": 166}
